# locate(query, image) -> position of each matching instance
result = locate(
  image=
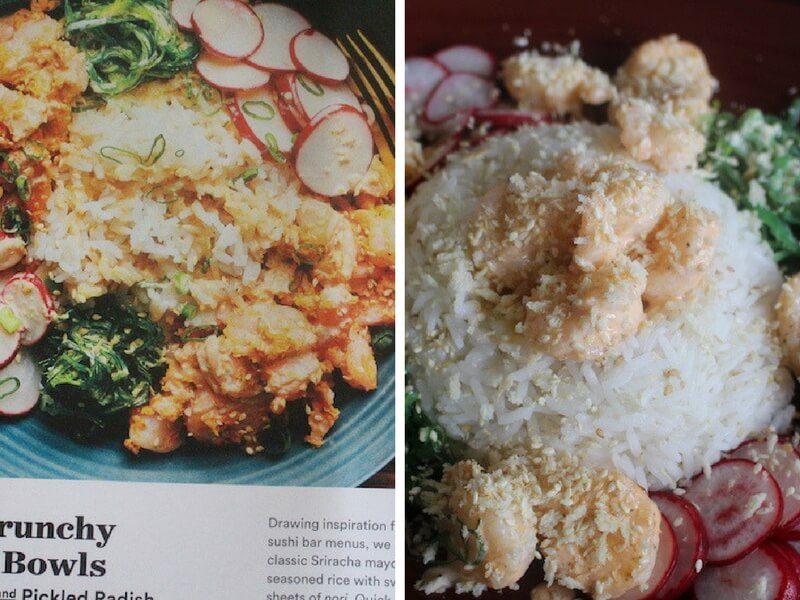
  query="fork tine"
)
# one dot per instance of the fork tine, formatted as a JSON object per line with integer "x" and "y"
{"x": 387, "y": 94}
{"x": 387, "y": 68}
{"x": 360, "y": 84}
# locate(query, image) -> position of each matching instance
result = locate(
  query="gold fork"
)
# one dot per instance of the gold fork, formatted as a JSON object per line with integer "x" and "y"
{"x": 373, "y": 77}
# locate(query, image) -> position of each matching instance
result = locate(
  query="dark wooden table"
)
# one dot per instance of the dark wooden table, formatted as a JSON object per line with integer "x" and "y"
{"x": 385, "y": 478}
{"x": 753, "y": 48}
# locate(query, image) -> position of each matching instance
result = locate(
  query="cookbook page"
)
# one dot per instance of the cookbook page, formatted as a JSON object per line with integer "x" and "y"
{"x": 197, "y": 300}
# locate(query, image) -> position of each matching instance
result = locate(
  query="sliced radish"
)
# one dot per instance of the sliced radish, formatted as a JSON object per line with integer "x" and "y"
{"x": 23, "y": 397}
{"x": 457, "y": 93}
{"x": 312, "y": 96}
{"x": 789, "y": 533}
{"x": 227, "y": 28}
{"x": 30, "y": 300}
{"x": 181, "y": 11}
{"x": 422, "y": 77}
{"x": 280, "y": 24}
{"x": 452, "y": 127}
{"x": 792, "y": 562}
{"x": 467, "y": 59}
{"x": 509, "y": 118}
{"x": 259, "y": 111}
{"x": 761, "y": 575}
{"x": 692, "y": 543}
{"x": 229, "y": 75}
{"x": 663, "y": 568}
{"x": 10, "y": 334}
{"x": 740, "y": 504}
{"x": 316, "y": 55}
{"x": 12, "y": 250}
{"x": 783, "y": 463}
{"x": 333, "y": 153}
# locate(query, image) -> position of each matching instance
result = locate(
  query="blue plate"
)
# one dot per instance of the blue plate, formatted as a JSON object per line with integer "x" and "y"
{"x": 361, "y": 442}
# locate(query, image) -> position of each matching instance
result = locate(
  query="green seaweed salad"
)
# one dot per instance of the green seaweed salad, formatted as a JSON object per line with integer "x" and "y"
{"x": 127, "y": 42}
{"x": 755, "y": 159}
{"x": 98, "y": 361}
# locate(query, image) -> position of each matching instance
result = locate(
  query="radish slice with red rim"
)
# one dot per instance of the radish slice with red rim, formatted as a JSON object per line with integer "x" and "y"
{"x": 280, "y": 24}
{"x": 227, "y": 28}
{"x": 316, "y": 55}
{"x": 28, "y": 297}
{"x": 422, "y": 77}
{"x": 458, "y": 93}
{"x": 260, "y": 114}
{"x": 662, "y": 569}
{"x": 313, "y": 96}
{"x": 181, "y": 11}
{"x": 783, "y": 463}
{"x": 333, "y": 153}
{"x": 792, "y": 561}
{"x": 761, "y": 574}
{"x": 692, "y": 543}
{"x": 228, "y": 75}
{"x": 455, "y": 126}
{"x": 12, "y": 250}
{"x": 19, "y": 386}
{"x": 10, "y": 334}
{"x": 740, "y": 504}
{"x": 467, "y": 59}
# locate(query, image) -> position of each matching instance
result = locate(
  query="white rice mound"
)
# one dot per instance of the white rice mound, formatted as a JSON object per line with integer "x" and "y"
{"x": 699, "y": 377}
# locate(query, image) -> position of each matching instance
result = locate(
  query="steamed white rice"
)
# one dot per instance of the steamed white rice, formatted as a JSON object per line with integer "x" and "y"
{"x": 698, "y": 378}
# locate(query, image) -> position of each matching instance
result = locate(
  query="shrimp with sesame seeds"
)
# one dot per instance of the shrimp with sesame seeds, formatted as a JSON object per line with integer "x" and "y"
{"x": 788, "y": 313}
{"x": 621, "y": 205}
{"x": 576, "y": 315}
{"x": 680, "y": 250}
{"x": 595, "y": 528}
{"x": 488, "y": 528}
{"x": 663, "y": 88}
{"x": 555, "y": 84}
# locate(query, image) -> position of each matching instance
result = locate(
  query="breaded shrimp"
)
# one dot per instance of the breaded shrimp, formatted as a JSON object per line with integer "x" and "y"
{"x": 681, "y": 250}
{"x": 788, "y": 312}
{"x": 604, "y": 541}
{"x": 599, "y": 531}
{"x": 651, "y": 132}
{"x": 555, "y": 84}
{"x": 668, "y": 70}
{"x": 622, "y": 204}
{"x": 523, "y": 227}
{"x": 581, "y": 315}
{"x": 489, "y": 524}
{"x": 664, "y": 86}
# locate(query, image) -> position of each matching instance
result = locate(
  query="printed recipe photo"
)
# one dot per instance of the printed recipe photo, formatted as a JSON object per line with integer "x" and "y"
{"x": 197, "y": 245}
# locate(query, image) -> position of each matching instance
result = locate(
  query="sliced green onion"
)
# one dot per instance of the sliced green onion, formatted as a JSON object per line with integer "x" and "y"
{"x": 109, "y": 151}
{"x": 311, "y": 86}
{"x": 247, "y": 174}
{"x": 180, "y": 152}
{"x": 15, "y": 385}
{"x": 9, "y": 320}
{"x": 188, "y": 311}
{"x": 156, "y": 150}
{"x": 258, "y": 109}
{"x": 23, "y": 187}
{"x": 272, "y": 147}
{"x": 181, "y": 281}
